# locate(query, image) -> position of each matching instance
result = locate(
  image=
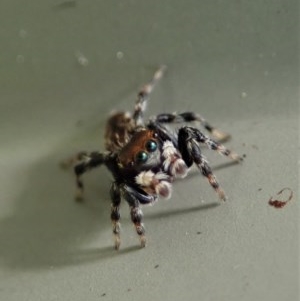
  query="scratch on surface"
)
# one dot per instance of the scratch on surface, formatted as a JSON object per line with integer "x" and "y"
{"x": 65, "y": 5}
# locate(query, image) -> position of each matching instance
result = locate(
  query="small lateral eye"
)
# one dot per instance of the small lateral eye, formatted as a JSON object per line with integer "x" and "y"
{"x": 141, "y": 157}
{"x": 151, "y": 146}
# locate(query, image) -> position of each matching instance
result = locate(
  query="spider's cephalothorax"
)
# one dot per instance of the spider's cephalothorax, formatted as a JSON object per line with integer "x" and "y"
{"x": 145, "y": 158}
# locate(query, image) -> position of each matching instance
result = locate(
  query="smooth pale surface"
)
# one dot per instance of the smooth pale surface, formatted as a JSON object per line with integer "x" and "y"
{"x": 65, "y": 66}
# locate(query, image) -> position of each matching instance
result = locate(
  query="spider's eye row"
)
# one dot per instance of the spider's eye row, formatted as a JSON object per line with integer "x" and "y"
{"x": 151, "y": 146}
{"x": 141, "y": 157}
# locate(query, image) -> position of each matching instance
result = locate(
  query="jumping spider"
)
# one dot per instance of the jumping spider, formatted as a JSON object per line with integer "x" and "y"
{"x": 145, "y": 158}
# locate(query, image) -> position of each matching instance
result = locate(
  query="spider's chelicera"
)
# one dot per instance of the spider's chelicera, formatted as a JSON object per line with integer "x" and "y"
{"x": 145, "y": 158}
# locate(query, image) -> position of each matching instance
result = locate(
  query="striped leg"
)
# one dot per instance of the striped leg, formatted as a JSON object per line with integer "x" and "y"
{"x": 212, "y": 144}
{"x": 136, "y": 217}
{"x": 115, "y": 213}
{"x": 88, "y": 161}
{"x": 188, "y": 144}
{"x": 192, "y": 117}
{"x": 207, "y": 172}
{"x": 143, "y": 96}
{"x": 71, "y": 161}
{"x": 136, "y": 213}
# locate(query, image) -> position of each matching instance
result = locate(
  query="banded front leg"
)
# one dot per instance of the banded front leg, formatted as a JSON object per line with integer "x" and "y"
{"x": 143, "y": 96}
{"x": 115, "y": 213}
{"x": 192, "y": 117}
{"x": 188, "y": 144}
{"x": 136, "y": 214}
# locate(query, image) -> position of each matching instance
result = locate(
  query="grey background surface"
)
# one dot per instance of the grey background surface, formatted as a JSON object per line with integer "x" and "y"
{"x": 65, "y": 65}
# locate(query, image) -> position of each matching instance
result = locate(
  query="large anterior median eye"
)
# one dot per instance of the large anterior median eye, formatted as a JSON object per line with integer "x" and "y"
{"x": 151, "y": 146}
{"x": 141, "y": 157}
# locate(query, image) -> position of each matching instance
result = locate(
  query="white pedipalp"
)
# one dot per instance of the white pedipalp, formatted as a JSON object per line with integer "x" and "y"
{"x": 173, "y": 161}
{"x": 145, "y": 178}
{"x": 155, "y": 182}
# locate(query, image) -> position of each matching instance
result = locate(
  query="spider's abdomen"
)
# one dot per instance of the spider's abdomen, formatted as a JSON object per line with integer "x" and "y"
{"x": 118, "y": 129}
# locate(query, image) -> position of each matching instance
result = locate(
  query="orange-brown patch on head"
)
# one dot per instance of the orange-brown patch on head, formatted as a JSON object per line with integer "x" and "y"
{"x": 136, "y": 144}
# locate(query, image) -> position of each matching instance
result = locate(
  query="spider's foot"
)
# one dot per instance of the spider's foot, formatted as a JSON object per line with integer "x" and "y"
{"x": 117, "y": 241}
{"x": 220, "y": 135}
{"x": 147, "y": 89}
{"x": 236, "y": 157}
{"x": 215, "y": 185}
{"x": 221, "y": 194}
{"x": 226, "y": 152}
{"x": 79, "y": 196}
{"x": 116, "y": 233}
{"x": 159, "y": 73}
{"x": 143, "y": 241}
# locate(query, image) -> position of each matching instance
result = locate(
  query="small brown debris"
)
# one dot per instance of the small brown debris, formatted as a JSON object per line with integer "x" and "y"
{"x": 281, "y": 203}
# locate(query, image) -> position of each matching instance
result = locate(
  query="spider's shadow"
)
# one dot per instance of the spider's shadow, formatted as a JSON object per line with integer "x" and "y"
{"x": 47, "y": 229}
{"x": 181, "y": 211}
{"x": 200, "y": 207}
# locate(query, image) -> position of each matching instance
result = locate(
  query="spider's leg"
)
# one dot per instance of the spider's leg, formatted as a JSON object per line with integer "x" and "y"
{"x": 136, "y": 217}
{"x": 115, "y": 213}
{"x": 71, "y": 161}
{"x": 197, "y": 135}
{"x": 188, "y": 144}
{"x": 88, "y": 161}
{"x": 136, "y": 214}
{"x": 192, "y": 117}
{"x": 143, "y": 96}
